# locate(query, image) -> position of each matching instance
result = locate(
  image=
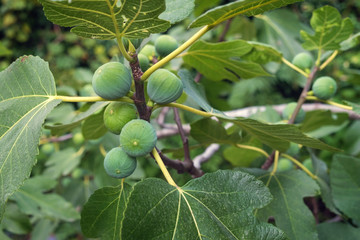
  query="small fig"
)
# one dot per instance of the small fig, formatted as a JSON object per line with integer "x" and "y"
{"x": 112, "y": 80}
{"x": 117, "y": 114}
{"x": 138, "y": 138}
{"x": 324, "y": 88}
{"x": 308, "y": 164}
{"x": 165, "y": 44}
{"x": 285, "y": 164}
{"x": 303, "y": 61}
{"x": 288, "y": 111}
{"x": 48, "y": 148}
{"x": 118, "y": 164}
{"x": 144, "y": 62}
{"x": 148, "y": 51}
{"x": 164, "y": 87}
{"x": 78, "y": 138}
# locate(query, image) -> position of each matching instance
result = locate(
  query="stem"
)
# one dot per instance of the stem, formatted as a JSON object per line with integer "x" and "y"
{"x": 163, "y": 168}
{"x": 189, "y": 109}
{"x": 185, "y": 141}
{"x": 276, "y": 160}
{"x": 294, "y": 67}
{"x": 226, "y": 29}
{"x": 300, "y": 165}
{"x": 90, "y": 99}
{"x": 254, "y": 149}
{"x": 329, "y": 60}
{"x": 318, "y": 58}
{"x": 329, "y": 102}
{"x": 176, "y": 52}
{"x": 303, "y": 95}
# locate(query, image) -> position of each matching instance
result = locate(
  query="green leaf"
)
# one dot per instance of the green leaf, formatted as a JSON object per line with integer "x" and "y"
{"x": 26, "y": 97}
{"x": 215, "y": 60}
{"x": 244, "y": 7}
{"x": 262, "y": 53}
{"x": 337, "y": 230}
{"x": 103, "y": 214}
{"x": 321, "y": 123}
{"x": 241, "y": 157}
{"x": 218, "y": 205}
{"x": 177, "y": 10}
{"x": 33, "y": 201}
{"x": 108, "y": 19}
{"x": 323, "y": 180}
{"x": 345, "y": 184}
{"x": 195, "y": 92}
{"x": 59, "y": 129}
{"x": 278, "y": 136}
{"x": 93, "y": 127}
{"x": 62, "y": 163}
{"x": 15, "y": 221}
{"x": 288, "y": 207}
{"x": 352, "y": 42}
{"x": 207, "y": 131}
{"x": 330, "y": 30}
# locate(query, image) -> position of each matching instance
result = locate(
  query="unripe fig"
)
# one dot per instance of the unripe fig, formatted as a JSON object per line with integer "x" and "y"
{"x": 324, "y": 88}
{"x": 164, "y": 87}
{"x": 288, "y": 111}
{"x": 144, "y": 62}
{"x": 148, "y": 51}
{"x": 118, "y": 164}
{"x": 165, "y": 44}
{"x": 138, "y": 138}
{"x": 117, "y": 114}
{"x": 135, "y": 42}
{"x": 284, "y": 164}
{"x": 303, "y": 61}
{"x": 308, "y": 164}
{"x": 112, "y": 80}
{"x": 48, "y": 148}
{"x": 78, "y": 138}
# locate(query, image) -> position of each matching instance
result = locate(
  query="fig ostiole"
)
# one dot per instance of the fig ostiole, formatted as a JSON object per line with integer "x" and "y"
{"x": 112, "y": 80}
{"x": 138, "y": 138}
{"x": 117, "y": 114}
{"x": 118, "y": 164}
{"x": 164, "y": 87}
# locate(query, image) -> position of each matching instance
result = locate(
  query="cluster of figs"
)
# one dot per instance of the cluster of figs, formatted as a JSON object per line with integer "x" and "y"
{"x": 138, "y": 137}
{"x": 323, "y": 87}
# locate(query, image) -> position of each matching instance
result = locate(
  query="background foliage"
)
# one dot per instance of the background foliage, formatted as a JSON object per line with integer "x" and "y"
{"x": 34, "y": 210}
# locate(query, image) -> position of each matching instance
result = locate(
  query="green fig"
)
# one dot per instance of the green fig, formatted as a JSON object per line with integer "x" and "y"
{"x": 138, "y": 138}
{"x": 118, "y": 164}
{"x": 164, "y": 87}
{"x": 165, "y": 44}
{"x": 303, "y": 61}
{"x": 112, "y": 80}
{"x": 324, "y": 88}
{"x": 144, "y": 62}
{"x": 117, "y": 114}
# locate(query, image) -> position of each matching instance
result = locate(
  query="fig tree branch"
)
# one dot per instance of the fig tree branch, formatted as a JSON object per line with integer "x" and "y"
{"x": 185, "y": 142}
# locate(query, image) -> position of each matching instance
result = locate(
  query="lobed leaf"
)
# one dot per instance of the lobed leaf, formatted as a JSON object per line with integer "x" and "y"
{"x": 26, "y": 97}
{"x": 330, "y": 30}
{"x": 245, "y": 7}
{"x": 345, "y": 185}
{"x": 215, "y": 60}
{"x": 103, "y": 214}
{"x": 108, "y": 19}
{"x": 288, "y": 208}
{"x": 219, "y": 205}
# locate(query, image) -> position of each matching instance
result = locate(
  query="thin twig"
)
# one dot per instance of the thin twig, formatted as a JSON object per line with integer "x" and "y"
{"x": 226, "y": 29}
{"x": 185, "y": 141}
{"x": 206, "y": 155}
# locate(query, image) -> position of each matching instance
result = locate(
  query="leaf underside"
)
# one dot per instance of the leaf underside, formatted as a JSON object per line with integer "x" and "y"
{"x": 26, "y": 99}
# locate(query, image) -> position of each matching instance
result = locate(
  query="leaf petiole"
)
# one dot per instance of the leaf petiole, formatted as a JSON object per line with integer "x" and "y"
{"x": 163, "y": 168}
{"x": 300, "y": 165}
{"x": 256, "y": 149}
{"x": 276, "y": 161}
{"x": 294, "y": 67}
{"x": 329, "y": 102}
{"x": 186, "y": 108}
{"x": 90, "y": 99}
{"x": 329, "y": 60}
